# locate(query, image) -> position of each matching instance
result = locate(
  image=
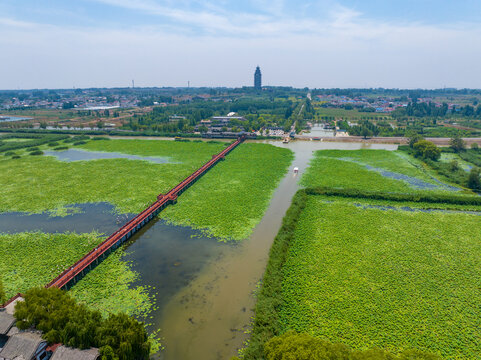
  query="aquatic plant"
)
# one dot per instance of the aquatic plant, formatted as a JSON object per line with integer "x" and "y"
{"x": 109, "y": 288}
{"x": 369, "y": 277}
{"x": 370, "y": 170}
{"x": 32, "y": 259}
{"x": 44, "y": 183}
{"x": 230, "y": 200}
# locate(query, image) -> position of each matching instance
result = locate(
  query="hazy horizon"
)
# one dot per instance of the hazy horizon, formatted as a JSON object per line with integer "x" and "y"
{"x": 164, "y": 43}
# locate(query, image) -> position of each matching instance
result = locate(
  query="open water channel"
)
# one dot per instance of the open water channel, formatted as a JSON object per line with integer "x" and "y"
{"x": 205, "y": 288}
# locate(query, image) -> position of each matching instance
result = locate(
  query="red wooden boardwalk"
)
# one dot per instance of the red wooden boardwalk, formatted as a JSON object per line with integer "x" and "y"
{"x": 70, "y": 276}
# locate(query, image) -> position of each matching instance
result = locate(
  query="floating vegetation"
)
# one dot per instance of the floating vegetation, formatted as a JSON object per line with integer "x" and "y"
{"x": 389, "y": 279}
{"x": 379, "y": 170}
{"x": 45, "y": 184}
{"x": 230, "y": 200}
{"x": 108, "y": 288}
{"x": 33, "y": 259}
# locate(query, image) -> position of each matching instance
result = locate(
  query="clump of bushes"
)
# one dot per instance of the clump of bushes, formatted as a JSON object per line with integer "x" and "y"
{"x": 426, "y": 150}
{"x": 292, "y": 345}
{"x": 37, "y": 152}
{"x": 378, "y": 195}
{"x": 61, "y": 148}
{"x": 9, "y": 153}
{"x": 77, "y": 138}
{"x": 62, "y": 320}
{"x": 34, "y": 140}
{"x": 52, "y": 144}
{"x": 100, "y": 138}
{"x": 16, "y": 157}
{"x": 32, "y": 149}
{"x": 474, "y": 179}
{"x": 79, "y": 142}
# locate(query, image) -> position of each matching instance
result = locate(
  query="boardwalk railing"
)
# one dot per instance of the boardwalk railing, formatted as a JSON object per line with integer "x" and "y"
{"x": 71, "y": 275}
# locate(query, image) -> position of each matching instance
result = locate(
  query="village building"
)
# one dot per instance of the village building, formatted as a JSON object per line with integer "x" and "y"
{"x": 25, "y": 345}
{"x": 225, "y": 120}
{"x": 66, "y": 353}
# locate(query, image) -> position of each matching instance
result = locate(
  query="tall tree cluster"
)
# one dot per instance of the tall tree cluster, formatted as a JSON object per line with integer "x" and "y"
{"x": 62, "y": 320}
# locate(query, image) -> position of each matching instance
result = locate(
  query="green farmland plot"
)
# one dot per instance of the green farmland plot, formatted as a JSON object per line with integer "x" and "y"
{"x": 393, "y": 279}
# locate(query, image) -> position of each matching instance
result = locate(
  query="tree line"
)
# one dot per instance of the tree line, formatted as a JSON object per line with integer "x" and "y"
{"x": 62, "y": 320}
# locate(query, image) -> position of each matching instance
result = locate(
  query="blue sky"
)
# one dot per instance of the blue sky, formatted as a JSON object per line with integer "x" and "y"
{"x": 324, "y": 43}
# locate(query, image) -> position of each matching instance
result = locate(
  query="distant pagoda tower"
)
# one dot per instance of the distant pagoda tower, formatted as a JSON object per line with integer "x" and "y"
{"x": 258, "y": 79}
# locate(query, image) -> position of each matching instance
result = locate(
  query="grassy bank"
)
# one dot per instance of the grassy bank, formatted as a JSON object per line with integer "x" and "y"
{"x": 269, "y": 300}
{"x": 230, "y": 200}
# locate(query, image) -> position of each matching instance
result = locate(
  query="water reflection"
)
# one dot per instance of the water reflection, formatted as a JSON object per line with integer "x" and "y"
{"x": 79, "y": 155}
{"x": 81, "y": 218}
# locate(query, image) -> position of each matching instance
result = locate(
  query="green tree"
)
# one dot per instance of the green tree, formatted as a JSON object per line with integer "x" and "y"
{"x": 454, "y": 166}
{"x": 125, "y": 335}
{"x": 62, "y": 320}
{"x": 426, "y": 150}
{"x": 475, "y": 146}
{"x": 366, "y": 132}
{"x": 457, "y": 144}
{"x": 414, "y": 138}
{"x": 474, "y": 181}
{"x": 293, "y": 346}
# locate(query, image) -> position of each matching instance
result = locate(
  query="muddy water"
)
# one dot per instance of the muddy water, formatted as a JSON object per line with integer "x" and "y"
{"x": 207, "y": 319}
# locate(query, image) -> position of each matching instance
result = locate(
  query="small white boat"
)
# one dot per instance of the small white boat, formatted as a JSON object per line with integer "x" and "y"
{"x": 296, "y": 170}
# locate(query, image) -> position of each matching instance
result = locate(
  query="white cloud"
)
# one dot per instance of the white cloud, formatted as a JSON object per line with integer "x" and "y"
{"x": 7, "y": 22}
{"x": 342, "y": 50}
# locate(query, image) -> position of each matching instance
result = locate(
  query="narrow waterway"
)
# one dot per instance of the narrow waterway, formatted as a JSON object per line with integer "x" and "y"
{"x": 209, "y": 317}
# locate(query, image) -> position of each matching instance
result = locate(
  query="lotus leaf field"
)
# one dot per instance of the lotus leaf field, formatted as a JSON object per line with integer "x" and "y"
{"x": 357, "y": 264}
{"x": 230, "y": 200}
{"x": 393, "y": 279}
{"x": 380, "y": 170}
{"x": 43, "y": 183}
{"x": 33, "y": 258}
{"x": 109, "y": 288}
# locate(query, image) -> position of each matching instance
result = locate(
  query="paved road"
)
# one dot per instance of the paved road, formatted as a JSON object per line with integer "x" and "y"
{"x": 384, "y": 140}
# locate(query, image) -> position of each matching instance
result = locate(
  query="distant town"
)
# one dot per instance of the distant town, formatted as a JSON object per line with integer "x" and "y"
{"x": 257, "y": 111}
